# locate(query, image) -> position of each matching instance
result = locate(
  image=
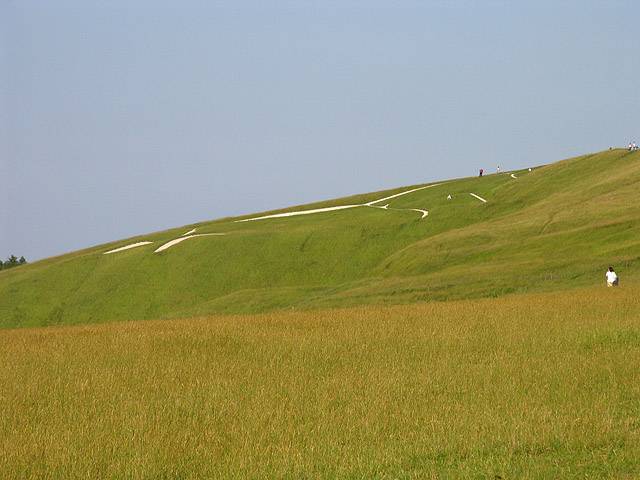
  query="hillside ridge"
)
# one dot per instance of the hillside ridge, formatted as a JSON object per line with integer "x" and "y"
{"x": 547, "y": 228}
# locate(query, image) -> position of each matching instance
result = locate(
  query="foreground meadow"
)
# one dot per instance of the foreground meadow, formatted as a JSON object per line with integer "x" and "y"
{"x": 535, "y": 386}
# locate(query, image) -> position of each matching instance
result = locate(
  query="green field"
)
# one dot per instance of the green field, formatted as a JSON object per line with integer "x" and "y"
{"x": 533, "y": 386}
{"x": 556, "y": 227}
{"x": 477, "y": 342}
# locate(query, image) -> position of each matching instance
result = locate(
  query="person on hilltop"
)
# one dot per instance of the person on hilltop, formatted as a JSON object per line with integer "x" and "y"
{"x": 481, "y": 171}
{"x": 612, "y": 278}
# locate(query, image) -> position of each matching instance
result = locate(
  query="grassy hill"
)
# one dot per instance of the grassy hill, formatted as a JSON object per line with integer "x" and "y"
{"x": 555, "y": 227}
{"x": 540, "y": 384}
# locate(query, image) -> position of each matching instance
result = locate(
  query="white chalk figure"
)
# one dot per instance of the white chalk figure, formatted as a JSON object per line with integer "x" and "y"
{"x": 612, "y": 278}
{"x": 449, "y": 197}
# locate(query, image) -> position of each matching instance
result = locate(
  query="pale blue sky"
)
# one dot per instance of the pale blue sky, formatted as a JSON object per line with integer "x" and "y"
{"x": 124, "y": 117}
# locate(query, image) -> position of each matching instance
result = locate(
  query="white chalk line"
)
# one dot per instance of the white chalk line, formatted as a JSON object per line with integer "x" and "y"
{"x": 513, "y": 175}
{"x": 189, "y": 232}
{"x": 343, "y": 207}
{"x": 478, "y": 197}
{"x": 300, "y": 212}
{"x": 182, "y": 239}
{"x": 401, "y": 193}
{"x": 127, "y": 247}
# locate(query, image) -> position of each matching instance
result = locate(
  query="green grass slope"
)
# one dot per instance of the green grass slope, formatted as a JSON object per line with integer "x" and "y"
{"x": 555, "y": 227}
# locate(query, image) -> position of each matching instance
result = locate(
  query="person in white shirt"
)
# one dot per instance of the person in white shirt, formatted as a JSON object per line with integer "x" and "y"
{"x": 612, "y": 278}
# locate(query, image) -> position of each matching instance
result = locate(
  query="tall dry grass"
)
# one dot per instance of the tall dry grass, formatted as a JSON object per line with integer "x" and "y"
{"x": 537, "y": 386}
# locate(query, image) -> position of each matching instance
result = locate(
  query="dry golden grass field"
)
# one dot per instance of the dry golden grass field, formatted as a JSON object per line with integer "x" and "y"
{"x": 530, "y": 386}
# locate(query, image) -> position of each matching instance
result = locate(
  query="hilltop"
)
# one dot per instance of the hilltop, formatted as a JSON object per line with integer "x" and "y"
{"x": 549, "y": 228}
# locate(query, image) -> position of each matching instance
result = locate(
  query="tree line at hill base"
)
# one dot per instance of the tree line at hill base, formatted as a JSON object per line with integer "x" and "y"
{"x": 11, "y": 262}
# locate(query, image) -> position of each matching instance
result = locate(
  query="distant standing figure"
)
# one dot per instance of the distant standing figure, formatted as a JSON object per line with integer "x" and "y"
{"x": 630, "y": 146}
{"x": 612, "y": 278}
{"x": 481, "y": 171}
{"x": 498, "y": 168}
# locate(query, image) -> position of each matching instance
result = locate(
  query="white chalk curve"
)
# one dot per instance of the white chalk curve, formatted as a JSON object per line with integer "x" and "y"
{"x": 182, "y": 239}
{"x": 127, "y": 247}
{"x": 478, "y": 197}
{"x": 423, "y": 212}
{"x": 513, "y": 175}
{"x": 189, "y": 232}
{"x": 387, "y": 207}
{"x": 340, "y": 207}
